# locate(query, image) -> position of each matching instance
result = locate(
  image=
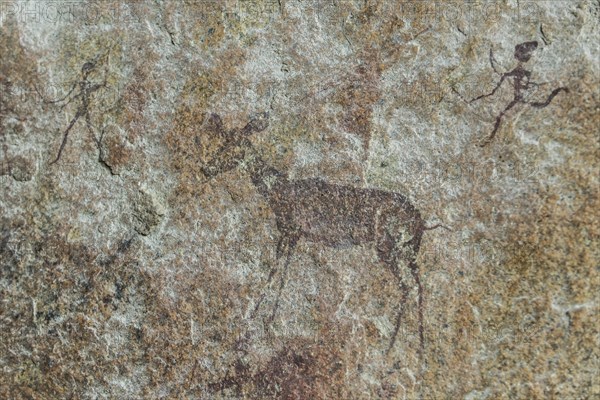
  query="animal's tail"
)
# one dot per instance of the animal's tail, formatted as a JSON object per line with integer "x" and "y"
{"x": 414, "y": 269}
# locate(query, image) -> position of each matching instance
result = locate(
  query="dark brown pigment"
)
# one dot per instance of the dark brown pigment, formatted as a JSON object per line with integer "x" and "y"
{"x": 521, "y": 83}
{"x": 86, "y": 88}
{"x": 320, "y": 212}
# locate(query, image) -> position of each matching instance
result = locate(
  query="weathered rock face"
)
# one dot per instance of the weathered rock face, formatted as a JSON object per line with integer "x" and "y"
{"x": 205, "y": 199}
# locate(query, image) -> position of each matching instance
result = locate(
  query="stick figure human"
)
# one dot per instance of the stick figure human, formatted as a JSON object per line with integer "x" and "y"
{"x": 86, "y": 88}
{"x": 521, "y": 83}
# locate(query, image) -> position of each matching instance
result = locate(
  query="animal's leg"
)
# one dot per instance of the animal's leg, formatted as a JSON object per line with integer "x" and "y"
{"x": 550, "y": 98}
{"x": 262, "y": 297}
{"x": 498, "y": 121}
{"x": 415, "y": 273}
{"x": 289, "y": 250}
{"x": 387, "y": 255}
{"x": 281, "y": 246}
{"x": 413, "y": 247}
{"x": 8, "y": 170}
{"x": 404, "y": 295}
{"x": 409, "y": 253}
{"x": 284, "y": 245}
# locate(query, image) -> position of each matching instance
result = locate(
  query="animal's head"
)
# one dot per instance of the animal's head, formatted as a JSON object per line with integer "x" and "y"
{"x": 226, "y": 148}
{"x": 524, "y": 51}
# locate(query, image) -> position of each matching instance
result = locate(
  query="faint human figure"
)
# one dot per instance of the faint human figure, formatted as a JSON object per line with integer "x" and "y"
{"x": 86, "y": 88}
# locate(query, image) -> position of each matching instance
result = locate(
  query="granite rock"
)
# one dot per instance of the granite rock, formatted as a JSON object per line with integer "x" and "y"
{"x": 299, "y": 199}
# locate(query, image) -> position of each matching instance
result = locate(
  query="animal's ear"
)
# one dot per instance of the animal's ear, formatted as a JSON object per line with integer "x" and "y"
{"x": 214, "y": 123}
{"x": 258, "y": 123}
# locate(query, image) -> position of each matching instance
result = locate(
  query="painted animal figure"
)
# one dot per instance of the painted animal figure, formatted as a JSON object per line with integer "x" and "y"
{"x": 325, "y": 213}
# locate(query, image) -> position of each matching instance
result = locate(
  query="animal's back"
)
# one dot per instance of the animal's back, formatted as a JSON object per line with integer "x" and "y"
{"x": 336, "y": 214}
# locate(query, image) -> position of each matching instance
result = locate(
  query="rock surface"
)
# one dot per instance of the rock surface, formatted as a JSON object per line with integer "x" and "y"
{"x": 230, "y": 199}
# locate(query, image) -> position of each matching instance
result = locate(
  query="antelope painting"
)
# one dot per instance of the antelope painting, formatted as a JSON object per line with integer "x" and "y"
{"x": 321, "y": 212}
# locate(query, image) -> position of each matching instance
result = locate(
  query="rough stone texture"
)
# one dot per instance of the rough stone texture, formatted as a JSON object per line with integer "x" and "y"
{"x": 146, "y": 261}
